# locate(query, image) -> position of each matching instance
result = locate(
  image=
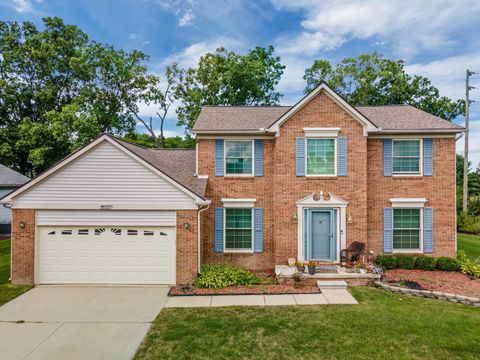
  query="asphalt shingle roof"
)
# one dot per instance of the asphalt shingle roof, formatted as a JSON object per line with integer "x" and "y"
{"x": 390, "y": 117}
{"x": 11, "y": 178}
{"x": 178, "y": 164}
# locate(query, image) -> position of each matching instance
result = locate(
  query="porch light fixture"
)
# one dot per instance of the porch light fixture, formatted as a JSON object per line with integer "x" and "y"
{"x": 294, "y": 218}
{"x": 22, "y": 225}
{"x": 349, "y": 218}
{"x": 186, "y": 226}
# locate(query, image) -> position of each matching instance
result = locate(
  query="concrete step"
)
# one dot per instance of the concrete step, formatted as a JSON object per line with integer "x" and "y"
{"x": 331, "y": 284}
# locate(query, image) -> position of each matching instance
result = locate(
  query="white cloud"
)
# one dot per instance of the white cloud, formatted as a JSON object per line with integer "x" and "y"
{"x": 189, "y": 56}
{"x": 139, "y": 38}
{"x": 23, "y": 6}
{"x": 186, "y": 19}
{"x": 410, "y": 25}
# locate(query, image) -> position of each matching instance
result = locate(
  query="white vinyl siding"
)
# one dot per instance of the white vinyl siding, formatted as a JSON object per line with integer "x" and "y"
{"x": 105, "y": 176}
{"x": 5, "y": 213}
{"x": 106, "y": 217}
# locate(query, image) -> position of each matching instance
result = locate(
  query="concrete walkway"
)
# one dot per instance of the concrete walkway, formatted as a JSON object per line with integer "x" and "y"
{"x": 78, "y": 322}
{"x": 328, "y": 296}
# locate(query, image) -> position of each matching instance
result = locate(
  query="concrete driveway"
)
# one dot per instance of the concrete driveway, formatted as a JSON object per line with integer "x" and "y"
{"x": 67, "y": 322}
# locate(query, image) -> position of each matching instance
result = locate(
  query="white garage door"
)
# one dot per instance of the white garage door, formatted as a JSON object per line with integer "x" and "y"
{"x": 106, "y": 255}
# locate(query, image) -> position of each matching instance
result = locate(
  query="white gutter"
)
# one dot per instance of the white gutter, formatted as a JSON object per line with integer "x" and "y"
{"x": 198, "y": 237}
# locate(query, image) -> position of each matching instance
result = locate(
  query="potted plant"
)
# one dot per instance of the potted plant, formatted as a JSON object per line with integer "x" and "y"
{"x": 312, "y": 266}
{"x": 349, "y": 266}
{"x": 361, "y": 267}
{"x": 291, "y": 262}
{"x": 300, "y": 266}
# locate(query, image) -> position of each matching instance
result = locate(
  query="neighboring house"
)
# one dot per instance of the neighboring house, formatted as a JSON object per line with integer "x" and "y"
{"x": 9, "y": 181}
{"x": 264, "y": 184}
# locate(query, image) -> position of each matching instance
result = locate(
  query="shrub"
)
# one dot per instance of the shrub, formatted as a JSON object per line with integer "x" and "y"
{"x": 425, "y": 263}
{"x": 468, "y": 223}
{"x": 405, "y": 262}
{"x": 447, "y": 264}
{"x": 468, "y": 266}
{"x": 386, "y": 262}
{"x": 216, "y": 276}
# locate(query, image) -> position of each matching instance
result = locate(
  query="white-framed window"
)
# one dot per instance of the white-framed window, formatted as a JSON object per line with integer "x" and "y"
{"x": 321, "y": 157}
{"x": 407, "y": 230}
{"x": 407, "y": 156}
{"x": 239, "y": 157}
{"x": 238, "y": 230}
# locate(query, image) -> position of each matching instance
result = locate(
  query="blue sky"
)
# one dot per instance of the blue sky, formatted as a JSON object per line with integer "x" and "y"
{"x": 438, "y": 39}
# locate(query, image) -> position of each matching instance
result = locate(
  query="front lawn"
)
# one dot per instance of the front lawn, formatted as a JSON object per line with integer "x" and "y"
{"x": 383, "y": 325}
{"x": 7, "y": 291}
{"x": 470, "y": 244}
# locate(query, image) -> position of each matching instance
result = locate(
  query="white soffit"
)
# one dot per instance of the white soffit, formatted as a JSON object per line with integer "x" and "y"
{"x": 321, "y": 132}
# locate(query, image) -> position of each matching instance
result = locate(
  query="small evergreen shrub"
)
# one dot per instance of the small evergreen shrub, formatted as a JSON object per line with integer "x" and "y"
{"x": 386, "y": 262}
{"x": 447, "y": 264}
{"x": 405, "y": 262}
{"x": 468, "y": 266}
{"x": 217, "y": 276}
{"x": 425, "y": 263}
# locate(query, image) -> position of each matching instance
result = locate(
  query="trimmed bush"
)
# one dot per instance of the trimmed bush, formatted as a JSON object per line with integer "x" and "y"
{"x": 447, "y": 264}
{"x": 386, "y": 262}
{"x": 468, "y": 266}
{"x": 425, "y": 263}
{"x": 217, "y": 276}
{"x": 405, "y": 262}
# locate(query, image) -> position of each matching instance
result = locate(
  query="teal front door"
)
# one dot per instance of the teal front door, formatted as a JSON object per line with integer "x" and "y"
{"x": 321, "y": 233}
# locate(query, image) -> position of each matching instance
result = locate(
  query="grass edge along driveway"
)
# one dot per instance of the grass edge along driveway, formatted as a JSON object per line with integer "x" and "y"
{"x": 7, "y": 290}
{"x": 384, "y": 325}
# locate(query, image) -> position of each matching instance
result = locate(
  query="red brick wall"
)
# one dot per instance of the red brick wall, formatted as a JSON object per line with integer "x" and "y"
{"x": 260, "y": 188}
{"x": 187, "y": 260}
{"x": 321, "y": 111}
{"x": 23, "y": 246}
{"x": 438, "y": 189}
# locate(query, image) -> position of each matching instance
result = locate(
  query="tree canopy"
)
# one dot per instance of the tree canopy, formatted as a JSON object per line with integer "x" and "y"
{"x": 370, "y": 79}
{"x": 58, "y": 90}
{"x": 227, "y": 78}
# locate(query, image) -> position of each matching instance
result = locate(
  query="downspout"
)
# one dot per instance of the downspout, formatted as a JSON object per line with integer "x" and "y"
{"x": 198, "y": 237}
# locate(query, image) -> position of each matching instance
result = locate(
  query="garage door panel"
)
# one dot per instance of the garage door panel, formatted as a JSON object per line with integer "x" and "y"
{"x": 130, "y": 255}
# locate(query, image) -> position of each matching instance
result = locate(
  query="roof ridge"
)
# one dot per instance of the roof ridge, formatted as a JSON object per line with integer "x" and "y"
{"x": 386, "y": 105}
{"x": 246, "y": 106}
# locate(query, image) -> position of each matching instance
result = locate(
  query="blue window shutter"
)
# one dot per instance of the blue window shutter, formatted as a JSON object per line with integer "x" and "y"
{"x": 387, "y": 157}
{"x": 218, "y": 230}
{"x": 219, "y": 157}
{"x": 258, "y": 230}
{"x": 342, "y": 156}
{"x": 300, "y": 150}
{"x": 258, "y": 166}
{"x": 427, "y": 157}
{"x": 387, "y": 230}
{"x": 428, "y": 230}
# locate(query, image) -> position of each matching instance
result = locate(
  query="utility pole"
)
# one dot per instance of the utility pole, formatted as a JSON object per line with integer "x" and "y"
{"x": 468, "y": 73}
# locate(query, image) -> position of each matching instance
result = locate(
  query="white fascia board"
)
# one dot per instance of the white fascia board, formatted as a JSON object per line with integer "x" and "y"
{"x": 239, "y": 203}
{"x": 368, "y": 126}
{"x": 321, "y": 132}
{"x": 408, "y": 202}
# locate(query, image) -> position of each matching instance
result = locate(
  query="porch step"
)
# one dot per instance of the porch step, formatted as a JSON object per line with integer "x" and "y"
{"x": 331, "y": 285}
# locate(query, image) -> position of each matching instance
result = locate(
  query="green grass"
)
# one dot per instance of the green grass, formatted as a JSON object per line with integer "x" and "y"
{"x": 383, "y": 326}
{"x": 470, "y": 244}
{"x": 7, "y": 290}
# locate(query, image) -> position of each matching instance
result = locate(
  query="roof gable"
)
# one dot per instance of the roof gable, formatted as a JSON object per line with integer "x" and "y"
{"x": 91, "y": 147}
{"x": 368, "y": 126}
{"x": 11, "y": 178}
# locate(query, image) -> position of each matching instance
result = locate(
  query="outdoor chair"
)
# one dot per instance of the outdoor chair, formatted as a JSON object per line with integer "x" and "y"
{"x": 353, "y": 252}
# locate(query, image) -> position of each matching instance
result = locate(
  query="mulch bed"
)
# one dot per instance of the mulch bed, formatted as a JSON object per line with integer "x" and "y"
{"x": 246, "y": 290}
{"x": 443, "y": 281}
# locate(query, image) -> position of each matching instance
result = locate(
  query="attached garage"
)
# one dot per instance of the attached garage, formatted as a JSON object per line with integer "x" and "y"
{"x": 111, "y": 213}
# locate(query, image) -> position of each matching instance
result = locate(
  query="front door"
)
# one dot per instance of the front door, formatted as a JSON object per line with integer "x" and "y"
{"x": 321, "y": 235}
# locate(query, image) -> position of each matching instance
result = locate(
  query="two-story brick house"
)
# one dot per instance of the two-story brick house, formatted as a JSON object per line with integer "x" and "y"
{"x": 264, "y": 184}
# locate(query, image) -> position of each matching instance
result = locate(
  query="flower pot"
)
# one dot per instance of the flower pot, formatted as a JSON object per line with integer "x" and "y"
{"x": 311, "y": 270}
{"x": 291, "y": 262}
{"x": 301, "y": 269}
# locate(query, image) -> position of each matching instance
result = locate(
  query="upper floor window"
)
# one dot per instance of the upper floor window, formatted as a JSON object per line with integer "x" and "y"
{"x": 406, "y": 157}
{"x": 239, "y": 157}
{"x": 321, "y": 157}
